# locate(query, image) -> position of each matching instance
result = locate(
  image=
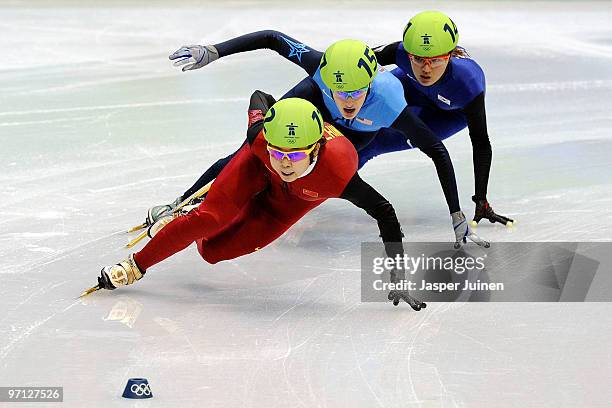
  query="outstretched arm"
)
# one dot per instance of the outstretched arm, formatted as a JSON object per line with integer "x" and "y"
{"x": 295, "y": 51}
{"x": 481, "y": 146}
{"x": 288, "y": 47}
{"x": 366, "y": 197}
{"x": 446, "y": 174}
{"x": 385, "y": 54}
{"x": 419, "y": 135}
{"x": 481, "y": 156}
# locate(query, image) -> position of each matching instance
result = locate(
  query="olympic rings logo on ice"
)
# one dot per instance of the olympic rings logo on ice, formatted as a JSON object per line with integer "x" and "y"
{"x": 141, "y": 389}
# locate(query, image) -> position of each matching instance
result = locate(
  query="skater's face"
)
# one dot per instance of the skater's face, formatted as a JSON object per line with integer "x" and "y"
{"x": 349, "y": 106}
{"x": 428, "y": 71}
{"x": 289, "y": 170}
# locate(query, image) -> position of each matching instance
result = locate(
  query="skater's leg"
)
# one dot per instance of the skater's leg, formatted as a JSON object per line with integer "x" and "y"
{"x": 241, "y": 180}
{"x": 261, "y": 223}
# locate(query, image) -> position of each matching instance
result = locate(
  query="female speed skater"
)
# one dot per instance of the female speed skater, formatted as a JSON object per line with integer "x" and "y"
{"x": 347, "y": 87}
{"x": 443, "y": 86}
{"x": 291, "y": 163}
{"x": 446, "y": 89}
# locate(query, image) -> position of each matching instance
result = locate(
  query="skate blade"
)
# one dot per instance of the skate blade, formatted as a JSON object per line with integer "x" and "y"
{"x": 136, "y": 240}
{"x": 90, "y": 291}
{"x": 137, "y": 227}
{"x": 197, "y": 194}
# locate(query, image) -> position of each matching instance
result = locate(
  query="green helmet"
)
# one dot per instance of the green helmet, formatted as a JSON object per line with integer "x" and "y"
{"x": 429, "y": 34}
{"x": 348, "y": 65}
{"x": 293, "y": 122}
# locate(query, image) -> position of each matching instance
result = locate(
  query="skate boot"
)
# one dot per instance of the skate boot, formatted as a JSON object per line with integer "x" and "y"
{"x": 124, "y": 273}
{"x": 159, "y": 211}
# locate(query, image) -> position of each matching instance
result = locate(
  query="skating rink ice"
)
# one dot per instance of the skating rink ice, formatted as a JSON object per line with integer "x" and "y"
{"x": 96, "y": 126}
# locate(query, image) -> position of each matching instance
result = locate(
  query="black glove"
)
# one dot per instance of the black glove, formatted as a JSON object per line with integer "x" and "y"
{"x": 484, "y": 210}
{"x": 395, "y": 296}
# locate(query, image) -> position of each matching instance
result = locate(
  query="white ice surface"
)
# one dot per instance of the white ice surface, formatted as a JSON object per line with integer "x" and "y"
{"x": 96, "y": 125}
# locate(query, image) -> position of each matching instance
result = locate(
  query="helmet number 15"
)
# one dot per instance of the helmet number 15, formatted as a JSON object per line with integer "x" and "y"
{"x": 363, "y": 64}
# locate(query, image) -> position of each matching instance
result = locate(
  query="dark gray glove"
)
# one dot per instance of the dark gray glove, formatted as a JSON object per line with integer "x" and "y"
{"x": 396, "y": 295}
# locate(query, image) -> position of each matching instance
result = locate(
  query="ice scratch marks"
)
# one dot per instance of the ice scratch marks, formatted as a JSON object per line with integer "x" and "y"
{"x": 286, "y": 374}
{"x": 56, "y": 256}
{"x": 297, "y": 300}
{"x": 208, "y": 101}
{"x": 552, "y": 86}
{"x": 84, "y": 84}
{"x": 29, "y": 330}
{"x": 32, "y": 235}
{"x": 423, "y": 322}
{"x": 137, "y": 183}
{"x": 40, "y": 291}
{"x": 45, "y": 121}
{"x": 364, "y": 377}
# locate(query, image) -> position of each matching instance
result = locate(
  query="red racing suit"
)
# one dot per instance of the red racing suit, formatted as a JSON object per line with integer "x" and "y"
{"x": 248, "y": 206}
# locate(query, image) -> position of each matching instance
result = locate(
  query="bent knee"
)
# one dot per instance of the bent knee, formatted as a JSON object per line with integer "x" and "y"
{"x": 205, "y": 253}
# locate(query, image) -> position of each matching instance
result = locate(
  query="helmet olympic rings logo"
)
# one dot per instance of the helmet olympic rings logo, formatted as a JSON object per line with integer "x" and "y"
{"x": 141, "y": 389}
